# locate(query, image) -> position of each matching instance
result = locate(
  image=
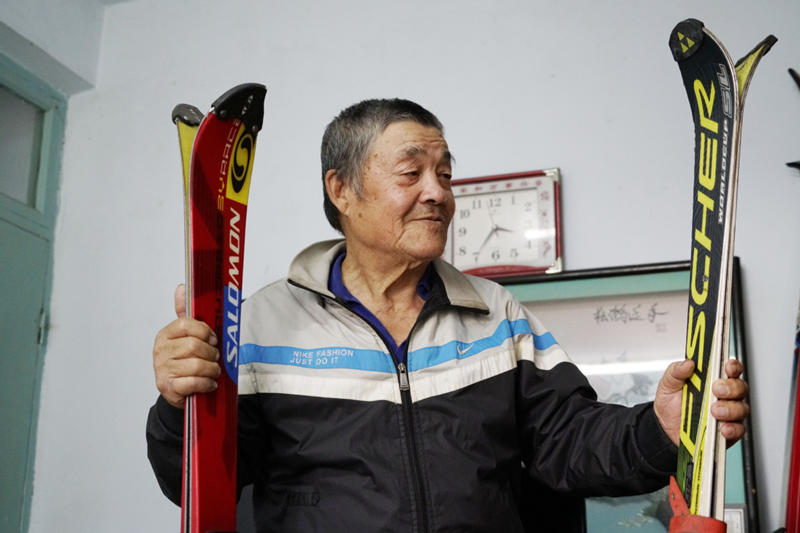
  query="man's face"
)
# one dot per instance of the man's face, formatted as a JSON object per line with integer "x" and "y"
{"x": 406, "y": 202}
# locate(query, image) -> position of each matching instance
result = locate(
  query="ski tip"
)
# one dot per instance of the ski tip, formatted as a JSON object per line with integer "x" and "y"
{"x": 761, "y": 48}
{"x": 768, "y": 42}
{"x": 686, "y": 38}
{"x": 795, "y": 76}
{"x": 245, "y": 102}
{"x": 188, "y": 114}
{"x": 758, "y": 51}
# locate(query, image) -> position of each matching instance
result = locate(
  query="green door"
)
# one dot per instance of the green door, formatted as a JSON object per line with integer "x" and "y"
{"x": 32, "y": 118}
{"x": 23, "y": 262}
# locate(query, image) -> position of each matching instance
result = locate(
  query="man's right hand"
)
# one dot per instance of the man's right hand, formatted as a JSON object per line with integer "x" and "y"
{"x": 185, "y": 356}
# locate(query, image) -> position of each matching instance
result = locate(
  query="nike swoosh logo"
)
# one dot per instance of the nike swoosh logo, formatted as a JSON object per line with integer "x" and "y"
{"x": 464, "y": 348}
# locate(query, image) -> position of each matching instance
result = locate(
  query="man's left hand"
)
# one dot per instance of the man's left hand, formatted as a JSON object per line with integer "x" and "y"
{"x": 730, "y": 408}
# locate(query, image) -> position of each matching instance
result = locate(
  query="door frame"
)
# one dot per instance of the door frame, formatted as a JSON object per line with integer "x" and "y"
{"x": 38, "y": 220}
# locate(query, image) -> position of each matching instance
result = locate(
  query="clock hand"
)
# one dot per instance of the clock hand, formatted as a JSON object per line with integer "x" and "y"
{"x": 494, "y": 231}
{"x": 487, "y": 239}
{"x": 496, "y": 228}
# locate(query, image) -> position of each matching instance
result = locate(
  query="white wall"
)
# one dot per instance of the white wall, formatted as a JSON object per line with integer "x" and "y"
{"x": 59, "y": 40}
{"x": 589, "y": 86}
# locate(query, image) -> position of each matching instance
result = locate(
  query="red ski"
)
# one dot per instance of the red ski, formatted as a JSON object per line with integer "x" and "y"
{"x": 217, "y": 186}
{"x": 793, "y": 458}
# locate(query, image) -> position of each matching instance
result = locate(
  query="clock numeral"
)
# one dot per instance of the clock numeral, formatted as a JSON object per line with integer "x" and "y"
{"x": 462, "y": 231}
{"x": 495, "y": 202}
{"x": 463, "y": 213}
{"x": 462, "y": 250}
{"x": 514, "y": 253}
{"x": 496, "y": 255}
{"x": 528, "y": 206}
{"x": 476, "y": 203}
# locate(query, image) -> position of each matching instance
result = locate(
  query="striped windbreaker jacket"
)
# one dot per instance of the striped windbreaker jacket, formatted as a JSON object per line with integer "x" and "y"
{"x": 336, "y": 436}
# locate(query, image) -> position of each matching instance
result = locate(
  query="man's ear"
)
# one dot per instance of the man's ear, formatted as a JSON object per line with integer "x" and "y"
{"x": 337, "y": 190}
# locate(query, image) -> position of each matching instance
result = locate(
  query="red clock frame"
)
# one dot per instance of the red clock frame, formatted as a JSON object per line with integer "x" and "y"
{"x": 492, "y": 185}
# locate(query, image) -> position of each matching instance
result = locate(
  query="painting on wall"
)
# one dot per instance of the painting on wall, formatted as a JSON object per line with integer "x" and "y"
{"x": 623, "y": 326}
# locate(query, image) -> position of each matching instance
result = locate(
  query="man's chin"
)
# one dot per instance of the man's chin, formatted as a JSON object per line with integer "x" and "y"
{"x": 429, "y": 253}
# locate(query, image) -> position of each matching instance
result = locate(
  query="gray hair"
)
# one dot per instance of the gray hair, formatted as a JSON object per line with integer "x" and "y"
{"x": 349, "y": 136}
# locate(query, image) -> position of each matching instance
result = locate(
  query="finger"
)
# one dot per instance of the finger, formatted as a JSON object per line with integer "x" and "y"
{"x": 180, "y": 300}
{"x": 730, "y": 389}
{"x": 183, "y": 368}
{"x": 733, "y": 368}
{"x": 726, "y": 411}
{"x": 192, "y": 348}
{"x": 732, "y": 432}
{"x": 677, "y": 373}
{"x": 186, "y": 386}
{"x": 195, "y": 367}
{"x": 177, "y": 378}
{"x": 189, "y": 327}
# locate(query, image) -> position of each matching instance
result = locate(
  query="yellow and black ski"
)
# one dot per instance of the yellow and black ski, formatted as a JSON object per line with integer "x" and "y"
{"x": 187, "y": 119}
{"x": 716, "y": 88}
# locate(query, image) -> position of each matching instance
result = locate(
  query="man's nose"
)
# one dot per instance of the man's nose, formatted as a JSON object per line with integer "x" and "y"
{"x": 435, "y": 187}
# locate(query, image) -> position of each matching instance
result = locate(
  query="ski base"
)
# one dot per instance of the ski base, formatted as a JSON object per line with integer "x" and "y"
{"x": 684, "y": 521}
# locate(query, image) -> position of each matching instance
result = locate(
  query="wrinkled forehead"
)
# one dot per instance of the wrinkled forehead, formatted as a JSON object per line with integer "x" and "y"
{"x": 413, "y": 141}
{"x": 440, "y": 151}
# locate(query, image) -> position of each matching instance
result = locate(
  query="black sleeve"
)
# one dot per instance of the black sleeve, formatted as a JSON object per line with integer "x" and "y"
{"x": 165, "y": 447}
{"x": 253, "y": 447}
{"x": 573, "y": 443}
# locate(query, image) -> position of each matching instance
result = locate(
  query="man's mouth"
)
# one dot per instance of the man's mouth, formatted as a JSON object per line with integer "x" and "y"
{"x": 433, "y": 217}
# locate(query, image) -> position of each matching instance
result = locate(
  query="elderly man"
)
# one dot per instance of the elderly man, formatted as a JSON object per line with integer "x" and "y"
{"x": 383, "y": 390}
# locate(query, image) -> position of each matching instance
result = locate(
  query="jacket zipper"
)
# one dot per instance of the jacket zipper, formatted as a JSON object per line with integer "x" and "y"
{"x": 408, "y": 426}
{"x": 411, "y": 443}
{"x": 417, "y": 482}
{"x": 401, "y": 369}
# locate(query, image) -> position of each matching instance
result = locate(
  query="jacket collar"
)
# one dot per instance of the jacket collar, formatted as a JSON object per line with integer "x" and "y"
{"x": 311, "y": 269}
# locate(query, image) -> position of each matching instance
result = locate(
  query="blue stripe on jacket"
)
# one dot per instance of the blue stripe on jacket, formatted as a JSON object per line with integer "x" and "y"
{"x": 380, "y": 361}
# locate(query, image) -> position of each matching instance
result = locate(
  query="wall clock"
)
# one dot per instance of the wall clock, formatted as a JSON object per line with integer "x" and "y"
{"x": 507, "y": 225}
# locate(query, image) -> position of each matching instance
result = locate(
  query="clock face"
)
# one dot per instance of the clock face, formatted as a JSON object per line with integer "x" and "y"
{"x": 505, "y": 226}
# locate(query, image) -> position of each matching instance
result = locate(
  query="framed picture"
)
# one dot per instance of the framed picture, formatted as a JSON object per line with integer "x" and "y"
{"x": 622, "y": 326}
